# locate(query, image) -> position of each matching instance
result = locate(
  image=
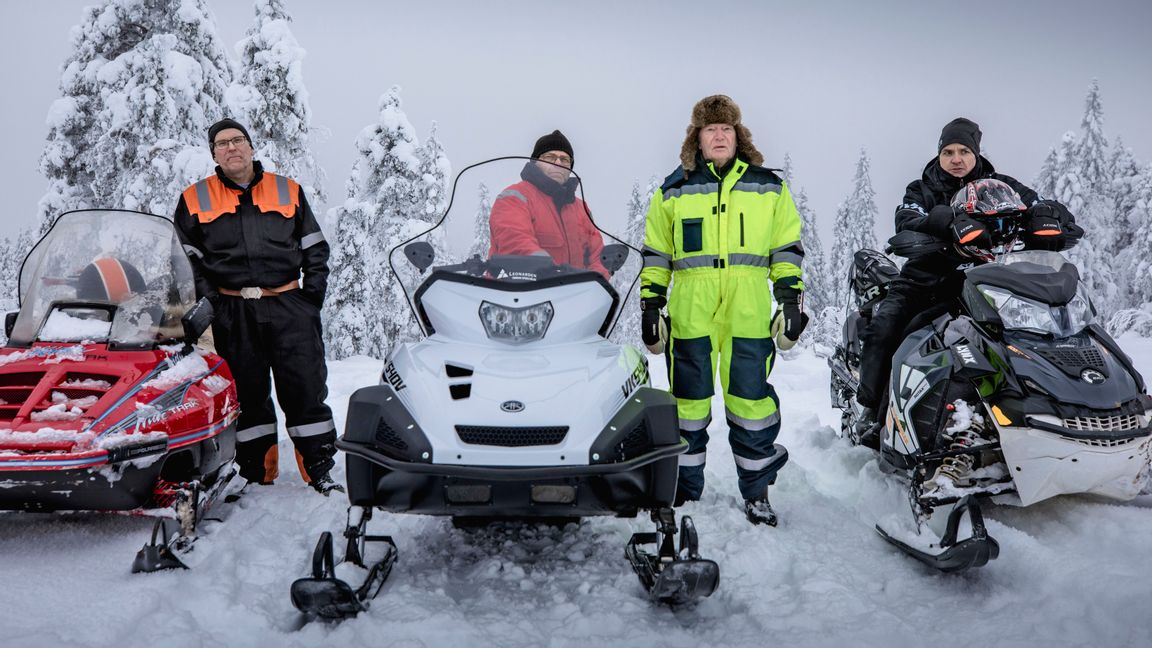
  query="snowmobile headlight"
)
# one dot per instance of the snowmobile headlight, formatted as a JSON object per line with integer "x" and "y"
{"x": 1022, "y": 314}
{"x": 516, "y": 325}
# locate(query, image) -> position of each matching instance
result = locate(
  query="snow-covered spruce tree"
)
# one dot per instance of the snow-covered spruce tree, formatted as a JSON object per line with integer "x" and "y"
{"x": 481, "y": 231}
{"x": 367, "y": 312}
{"x": 432, "y": 176}
{"x": 1124, "y": 180}
{"x": 855, "y": 228}
{"x": 111, "y": 38}
{"x": 817, "y": 282}
{"x": 627, "y": 329}
{"x": 1134, "y": 263}
{"x": 269, "y": 97}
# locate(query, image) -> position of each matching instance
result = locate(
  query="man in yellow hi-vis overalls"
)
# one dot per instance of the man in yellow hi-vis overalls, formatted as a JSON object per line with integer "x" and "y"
{"x": 719, "y": 230}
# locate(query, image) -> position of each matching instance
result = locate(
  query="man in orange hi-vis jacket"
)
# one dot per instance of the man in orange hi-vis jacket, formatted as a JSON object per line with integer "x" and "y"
{"x": 250, "y": 235}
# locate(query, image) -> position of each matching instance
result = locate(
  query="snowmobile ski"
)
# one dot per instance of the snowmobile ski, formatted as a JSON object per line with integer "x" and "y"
{"x": 174, "y": 534}
{"x": 955, "y": 556}
{"x": 325, "y": 596}
{"x": 672, "y": 576}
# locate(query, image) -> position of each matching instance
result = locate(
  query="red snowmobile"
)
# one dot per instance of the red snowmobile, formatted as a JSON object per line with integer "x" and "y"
{"x": 105, "y": 404}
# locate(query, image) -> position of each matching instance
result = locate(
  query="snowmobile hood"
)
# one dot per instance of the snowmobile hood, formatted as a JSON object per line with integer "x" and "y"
{"x": 1076, "y": 371}
{"x": 1030, "y": 280}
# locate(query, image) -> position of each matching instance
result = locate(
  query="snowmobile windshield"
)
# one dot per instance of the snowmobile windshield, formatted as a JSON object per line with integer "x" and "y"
{"x": 1036, "y": 291}
{"x": 515, "y": 224}
{"x": 105, "y": 276}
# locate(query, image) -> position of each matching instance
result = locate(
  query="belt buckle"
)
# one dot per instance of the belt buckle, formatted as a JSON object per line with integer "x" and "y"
{"x": 252, "y": 292}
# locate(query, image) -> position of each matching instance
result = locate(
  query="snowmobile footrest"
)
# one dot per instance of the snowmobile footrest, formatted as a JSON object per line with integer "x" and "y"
{"x": 325, "y": 596}
{"x": 975, "y": 551}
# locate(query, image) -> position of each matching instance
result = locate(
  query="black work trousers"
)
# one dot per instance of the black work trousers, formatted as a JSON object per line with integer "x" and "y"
{"x": 279, "y": 334}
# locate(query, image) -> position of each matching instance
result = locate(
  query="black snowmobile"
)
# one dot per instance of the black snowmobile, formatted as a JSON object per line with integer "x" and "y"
{"x": 513, "y": 404}
{"x": 1014, "y": 393}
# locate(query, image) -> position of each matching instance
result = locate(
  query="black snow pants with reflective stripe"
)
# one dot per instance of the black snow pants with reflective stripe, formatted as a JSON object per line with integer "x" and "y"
{"x": 280, "y": 335}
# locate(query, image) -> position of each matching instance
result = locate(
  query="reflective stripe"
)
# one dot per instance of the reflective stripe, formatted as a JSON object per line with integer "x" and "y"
{"x": 651, "y": 250}
{"x": 788, "y": 257}
{"x": 311, "y": 239}
{"x": 691, "y": 460}
{"x": 512, "y": 193}
{"x": 741, "y": 258}
{"x": 203, "y": 196}
{"x": 688, "y": 190}
{"x": 692, "y": 425}
{"x": 312, "y": 429}
{"x": 752, "y": 425}
{"x": 543, "y": 253}
{"x": 282, "y": 192}
{"x": 756, "y": 187}
{"x": 255, "y": 432}
{"x": 707, "y": 261}
{"x": 192, "y": 251}
{"x": 651, "y": 261}
{"x": 755, "y": 464}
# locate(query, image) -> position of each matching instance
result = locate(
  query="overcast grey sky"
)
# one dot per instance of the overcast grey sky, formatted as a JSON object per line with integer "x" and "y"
{"x": 815, "y": 79}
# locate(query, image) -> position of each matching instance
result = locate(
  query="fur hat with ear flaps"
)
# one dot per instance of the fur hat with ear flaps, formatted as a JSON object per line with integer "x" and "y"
{"x": 717, "y": 109}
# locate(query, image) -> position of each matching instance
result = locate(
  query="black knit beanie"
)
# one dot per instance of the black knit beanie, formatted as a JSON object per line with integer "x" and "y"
{"x": 223, "y": 124}
{"x": 961, "y": 131}
{"x": 554, "y": 141}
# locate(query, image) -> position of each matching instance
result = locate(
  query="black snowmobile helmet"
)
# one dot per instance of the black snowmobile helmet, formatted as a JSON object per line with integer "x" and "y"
{"x": 109, "y": 279}
{"x": 988, "y": 196}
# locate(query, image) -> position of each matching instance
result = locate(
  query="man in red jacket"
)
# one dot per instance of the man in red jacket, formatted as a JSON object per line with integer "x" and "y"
{"x": 542, "y": 215}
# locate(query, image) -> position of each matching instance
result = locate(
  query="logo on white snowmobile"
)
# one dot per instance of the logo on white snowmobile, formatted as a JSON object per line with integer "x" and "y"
{"x": 639, "y": 377}
{"x": 1092, "y": 377}
{"x": 393, "y": 377}
{"x": 965, "y": 353}
{"x": 512, "y": 406}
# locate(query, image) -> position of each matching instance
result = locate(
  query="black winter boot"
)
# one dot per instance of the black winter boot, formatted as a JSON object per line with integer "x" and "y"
{"x": 759, "y": 511}
{"x": 324, "y": 485}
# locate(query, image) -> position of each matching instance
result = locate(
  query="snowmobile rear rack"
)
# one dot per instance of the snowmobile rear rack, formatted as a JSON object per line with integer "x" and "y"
{"x": 324, "y": 595}
{"x": 953, "y": 557}
{"x": 672, "y": 576}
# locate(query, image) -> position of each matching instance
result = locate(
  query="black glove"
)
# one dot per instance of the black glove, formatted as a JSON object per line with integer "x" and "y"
{"x": 790, "y": 319}
{"x": 653, "y": 324}
{"x": 969, "y": 231}
{"x": 1043, "y": 231}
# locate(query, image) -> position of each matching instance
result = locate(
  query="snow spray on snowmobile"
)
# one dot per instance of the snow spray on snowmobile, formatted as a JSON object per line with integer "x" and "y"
{"x": 1015, "y": 394}
{"x": 513, "y": 403}
{"x": 105, "y": 404}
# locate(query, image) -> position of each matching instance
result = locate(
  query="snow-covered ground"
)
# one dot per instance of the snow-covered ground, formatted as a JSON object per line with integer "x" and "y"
{"x": 1072, "y": 572}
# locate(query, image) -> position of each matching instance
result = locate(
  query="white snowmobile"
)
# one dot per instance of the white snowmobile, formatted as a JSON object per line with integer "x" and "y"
{"x": 513, "y": 405}
{"x": 1013, "y": 394}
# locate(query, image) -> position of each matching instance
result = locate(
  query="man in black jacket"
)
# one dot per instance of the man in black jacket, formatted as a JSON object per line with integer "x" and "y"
{"x": 937, "y": 278}
{"x": 249, "y": 235}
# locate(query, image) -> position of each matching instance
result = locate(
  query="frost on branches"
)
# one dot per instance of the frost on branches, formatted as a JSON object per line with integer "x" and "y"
{"x": 855, "y": 228}
{"x": 396, "y": 191}
{"x": 137, "y": 92}
{"x": 269, "y": 97}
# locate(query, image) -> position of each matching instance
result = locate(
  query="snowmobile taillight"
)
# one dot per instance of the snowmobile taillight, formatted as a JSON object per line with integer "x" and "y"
{"x": 516, "y": 325}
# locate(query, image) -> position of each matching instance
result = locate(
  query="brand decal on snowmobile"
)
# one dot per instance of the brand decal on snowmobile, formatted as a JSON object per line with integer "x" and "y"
{"x": 512, "y": 406}
{"x": 965, "y": 353}
{"x": 639, "y": 377}
{"x": 189, "y": 405}
{"x": 871, "y": 293}
{"x": 393, "y": 377}
{"x": 1092, "y": 377}
{"x": 131, "y": 452}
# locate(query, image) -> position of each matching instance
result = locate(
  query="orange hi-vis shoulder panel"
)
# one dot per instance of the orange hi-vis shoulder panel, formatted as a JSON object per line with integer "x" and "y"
{"x": 276, "y": 193}
{"x": 210, "y": 198}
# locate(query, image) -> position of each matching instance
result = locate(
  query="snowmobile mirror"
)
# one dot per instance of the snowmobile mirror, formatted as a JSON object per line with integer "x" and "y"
{"x": 420, "y": 254}
{"x": 10, "y": 322}
{"x": 197, "y": 320}
{"x": 613, "y": 256}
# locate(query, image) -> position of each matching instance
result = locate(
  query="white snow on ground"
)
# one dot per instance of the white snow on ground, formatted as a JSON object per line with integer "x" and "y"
{"x": 1072, "y": 572}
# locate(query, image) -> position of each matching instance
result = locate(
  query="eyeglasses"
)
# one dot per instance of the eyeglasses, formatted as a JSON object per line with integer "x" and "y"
{"x": 229, "y": 143}
{"x": 562, "y": 160}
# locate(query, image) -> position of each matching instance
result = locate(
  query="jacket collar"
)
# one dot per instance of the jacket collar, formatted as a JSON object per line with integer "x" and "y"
{"x": 561, "y": 194}
{"x": 257, "y": 169}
